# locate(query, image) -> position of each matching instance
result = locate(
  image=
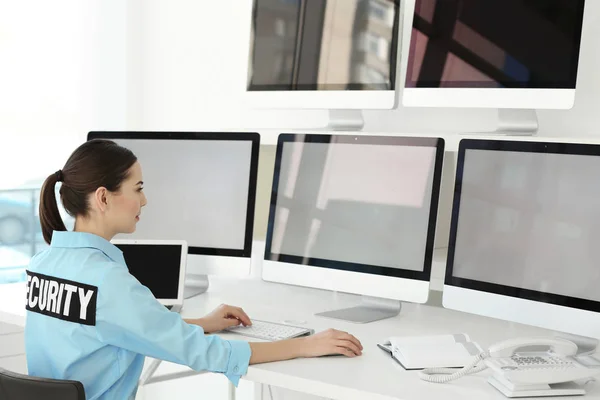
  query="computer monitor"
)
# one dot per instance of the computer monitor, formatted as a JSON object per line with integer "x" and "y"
{"x": 159, "y": 265}
{"x": 515, "y": 54}
{"x": 525, "y": 233}
{"x": 326, "y": 54}
{"x": 201, "y": 188}
{"x": 355, "y": 214}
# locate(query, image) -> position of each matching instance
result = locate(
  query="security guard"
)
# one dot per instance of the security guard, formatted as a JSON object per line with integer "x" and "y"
{"x": 89, "y": 320}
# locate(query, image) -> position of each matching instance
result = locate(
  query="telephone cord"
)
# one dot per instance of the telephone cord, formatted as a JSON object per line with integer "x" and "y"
{"x": 444, "y": 375}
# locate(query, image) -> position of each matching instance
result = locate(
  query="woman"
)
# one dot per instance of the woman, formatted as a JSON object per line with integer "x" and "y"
{"x": 89, "y": 320}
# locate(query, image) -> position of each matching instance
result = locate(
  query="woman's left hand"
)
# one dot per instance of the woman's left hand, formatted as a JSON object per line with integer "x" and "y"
{"x": 222, "y": 317}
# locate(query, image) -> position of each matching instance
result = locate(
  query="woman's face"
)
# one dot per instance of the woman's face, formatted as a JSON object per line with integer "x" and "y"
{"x": 127, "y": 203}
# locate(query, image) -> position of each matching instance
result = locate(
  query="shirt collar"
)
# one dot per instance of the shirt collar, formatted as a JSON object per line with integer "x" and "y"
{"x": 63, "y": 239}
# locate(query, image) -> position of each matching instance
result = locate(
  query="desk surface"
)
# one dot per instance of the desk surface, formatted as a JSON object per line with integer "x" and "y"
{"x": 374, "y": 375}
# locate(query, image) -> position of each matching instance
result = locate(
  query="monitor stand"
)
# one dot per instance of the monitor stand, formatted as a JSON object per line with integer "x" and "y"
{"x": 194, "y": 285}
{"x": 345, "y": 120}
{"x": 372, "y": 309}
{"x": 517, "y": 122}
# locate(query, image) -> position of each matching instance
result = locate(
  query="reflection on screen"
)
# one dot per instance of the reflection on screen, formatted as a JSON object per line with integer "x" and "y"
{"x": 154, "y": 266}
{"x": 530, "y": 220}
{"x": 323, "y": 45}
{"x": 197, "y": 190}
{"x": 356, "y": 203}
{"x": 495, "y": 43}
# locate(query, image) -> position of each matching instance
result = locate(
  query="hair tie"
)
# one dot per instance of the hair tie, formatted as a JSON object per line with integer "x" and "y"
{"x": 59, "y": 175}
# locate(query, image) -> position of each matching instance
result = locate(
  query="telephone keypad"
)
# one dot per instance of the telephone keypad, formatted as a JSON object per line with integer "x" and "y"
{"x": 537, "y": 361}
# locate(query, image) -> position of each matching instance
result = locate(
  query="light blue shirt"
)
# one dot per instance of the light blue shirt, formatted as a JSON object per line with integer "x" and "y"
{"x": 89, "y": 320}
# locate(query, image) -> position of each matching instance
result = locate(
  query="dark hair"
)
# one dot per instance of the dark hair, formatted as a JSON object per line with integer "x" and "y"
{"x": 96, "y": 163}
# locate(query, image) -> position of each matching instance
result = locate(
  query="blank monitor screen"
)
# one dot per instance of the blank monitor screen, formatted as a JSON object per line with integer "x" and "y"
{"x": 323, "y": 45}
{"x": 364, "y": 204}
{"x": 155, "y": 266}
{"x": 200, "y": 188}
{"x": 530, "y": 44}
{"x": 526, "y": 221}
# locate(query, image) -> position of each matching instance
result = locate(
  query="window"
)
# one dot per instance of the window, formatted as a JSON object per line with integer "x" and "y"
{"x": 377, "y": 10}
{"x": 280, "y": 28}
{"x": 376, "y": 45}
{"x": 373, "y": 44}
{"x": 20, "y": 231}
{"x": 17, "y": 233}
{"x": 372, "y": 76}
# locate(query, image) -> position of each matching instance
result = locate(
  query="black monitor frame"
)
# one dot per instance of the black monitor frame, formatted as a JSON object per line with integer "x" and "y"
{"x": 512, "y": 146}
{"x": 433, "y": 142}
{"x": 252, "y": 137}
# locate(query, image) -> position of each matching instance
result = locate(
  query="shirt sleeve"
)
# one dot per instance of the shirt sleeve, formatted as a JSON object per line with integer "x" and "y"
{"x": 128, "y": 316}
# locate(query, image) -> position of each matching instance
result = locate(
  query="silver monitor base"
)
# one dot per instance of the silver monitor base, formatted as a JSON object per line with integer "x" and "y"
{"x": 372, "y": 309}
{"x": 556, "y": 389}
{"x": 345, "y": 120}
{"x": 195, "y": 285}
{"x": 517, "y": 122}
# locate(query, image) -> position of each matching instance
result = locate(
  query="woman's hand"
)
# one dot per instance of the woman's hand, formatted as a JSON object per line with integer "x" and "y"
{"x": 330, "y": 342}
{"x": 325, "y": 343}
{"x": 222, "y": 317}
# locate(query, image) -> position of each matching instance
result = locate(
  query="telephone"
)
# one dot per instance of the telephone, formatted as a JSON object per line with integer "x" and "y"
{"x": 520, "y": 372}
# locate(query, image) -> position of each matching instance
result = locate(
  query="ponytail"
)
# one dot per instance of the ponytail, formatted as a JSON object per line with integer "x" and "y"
{"x": 50, "y": 218}
{"x": 96, "y": 163}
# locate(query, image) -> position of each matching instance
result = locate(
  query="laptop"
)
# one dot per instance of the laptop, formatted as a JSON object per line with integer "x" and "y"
{"x": 159, "y": 265}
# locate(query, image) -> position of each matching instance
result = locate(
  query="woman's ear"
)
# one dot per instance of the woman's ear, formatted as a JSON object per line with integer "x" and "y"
{"x": 101, "y": 199}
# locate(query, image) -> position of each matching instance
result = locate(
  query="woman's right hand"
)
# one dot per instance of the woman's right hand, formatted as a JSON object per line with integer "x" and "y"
{"x": 331, "y": 342}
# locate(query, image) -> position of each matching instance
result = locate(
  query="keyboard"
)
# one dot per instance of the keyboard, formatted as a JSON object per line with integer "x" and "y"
{"x": 271, "y": 331}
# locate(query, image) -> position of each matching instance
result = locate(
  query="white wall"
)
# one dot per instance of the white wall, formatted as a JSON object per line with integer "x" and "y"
{"x": 192, "y": 77}
{"x": 62, "y": 73}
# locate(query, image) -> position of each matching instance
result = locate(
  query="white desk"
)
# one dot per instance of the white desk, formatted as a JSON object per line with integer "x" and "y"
{"x": 374, "y": 375}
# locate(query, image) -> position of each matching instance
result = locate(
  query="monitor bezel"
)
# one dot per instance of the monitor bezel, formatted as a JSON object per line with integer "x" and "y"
{"x": 253, "y": 137}
{"x": 497, "y": 289}
{"x": 424, "y": 275}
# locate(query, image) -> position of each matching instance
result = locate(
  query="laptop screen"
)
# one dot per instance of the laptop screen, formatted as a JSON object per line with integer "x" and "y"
{"x": 156, "y": 266}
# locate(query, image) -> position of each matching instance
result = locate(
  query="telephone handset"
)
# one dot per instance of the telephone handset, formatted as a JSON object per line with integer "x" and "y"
{"x": 509, "y": 347}
{"x": 515, "y": 365}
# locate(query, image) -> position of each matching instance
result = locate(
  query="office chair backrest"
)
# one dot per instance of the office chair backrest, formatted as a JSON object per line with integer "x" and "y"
{"x": 15, "y": 386}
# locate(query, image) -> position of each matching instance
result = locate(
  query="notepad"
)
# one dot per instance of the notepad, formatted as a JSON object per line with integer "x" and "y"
{"x": 439, "y": 351}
